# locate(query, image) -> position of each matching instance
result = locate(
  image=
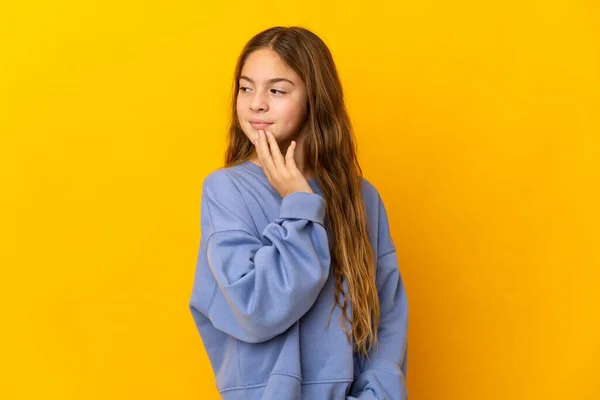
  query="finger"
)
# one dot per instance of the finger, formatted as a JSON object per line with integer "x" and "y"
{"x": 259, "y": 153}
{"x": 266, "y": 159}
{"x": 289, "y": 155}
{"x": 275, "y": 151}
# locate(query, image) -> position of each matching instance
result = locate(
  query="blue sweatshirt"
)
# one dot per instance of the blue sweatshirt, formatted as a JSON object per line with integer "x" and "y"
{"x": 264, "y": 288}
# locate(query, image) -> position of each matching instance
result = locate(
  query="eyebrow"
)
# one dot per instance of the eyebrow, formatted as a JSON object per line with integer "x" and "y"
{"x": 274, "y": 80}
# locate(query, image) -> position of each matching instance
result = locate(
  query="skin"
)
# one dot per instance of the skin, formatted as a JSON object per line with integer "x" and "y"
{"x": 271, "y": 91}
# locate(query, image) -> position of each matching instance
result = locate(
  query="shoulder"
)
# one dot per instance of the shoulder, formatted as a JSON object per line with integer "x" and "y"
{"x": 218, "y": 178}
{"x": 377, "y": 217}
{"x": 370, "y": 194}
{"x": 223, "y": 201}
{"x": 224, "y": 181}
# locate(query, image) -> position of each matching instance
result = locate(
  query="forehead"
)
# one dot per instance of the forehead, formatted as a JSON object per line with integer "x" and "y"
{"x": 266, "y": 64}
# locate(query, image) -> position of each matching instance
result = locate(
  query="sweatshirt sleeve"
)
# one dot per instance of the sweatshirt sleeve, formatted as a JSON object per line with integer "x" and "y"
{"x": 383, "y": 376}
{"x": 264, "y": 282}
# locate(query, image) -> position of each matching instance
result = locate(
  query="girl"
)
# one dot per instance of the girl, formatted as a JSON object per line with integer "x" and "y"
{"x": 293, "y": 235}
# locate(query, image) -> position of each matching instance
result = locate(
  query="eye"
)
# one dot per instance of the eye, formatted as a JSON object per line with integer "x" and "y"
{"x": 277, "y": 91}
{"x": 243, "y": 89}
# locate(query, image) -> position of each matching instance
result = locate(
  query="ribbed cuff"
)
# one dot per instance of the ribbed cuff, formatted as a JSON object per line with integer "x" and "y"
{"x": 303, "y": 205}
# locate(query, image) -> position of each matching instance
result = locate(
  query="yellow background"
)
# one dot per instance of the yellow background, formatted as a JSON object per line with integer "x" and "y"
{"x": 477, "y": 121}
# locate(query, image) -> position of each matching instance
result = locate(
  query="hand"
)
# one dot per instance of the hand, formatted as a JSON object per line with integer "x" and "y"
{"x": 283, "y": 174}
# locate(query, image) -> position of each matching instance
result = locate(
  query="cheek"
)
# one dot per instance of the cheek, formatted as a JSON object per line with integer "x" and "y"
{"x": 239, "y": 106}
{"x": 241, "y": 116}
{"x": 240, "y": 110}
{"x": 293, "y": 115}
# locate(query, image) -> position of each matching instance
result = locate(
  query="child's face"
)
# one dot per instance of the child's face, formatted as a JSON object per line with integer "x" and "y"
{"x": 273, "y": 93}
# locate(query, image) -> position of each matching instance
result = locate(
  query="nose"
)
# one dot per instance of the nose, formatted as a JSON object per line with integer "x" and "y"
{"x": 258, "y": 102}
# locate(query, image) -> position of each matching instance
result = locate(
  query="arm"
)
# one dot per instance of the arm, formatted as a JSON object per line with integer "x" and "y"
{"x": 383, "y": 376}
{"x": 265, "y": 283}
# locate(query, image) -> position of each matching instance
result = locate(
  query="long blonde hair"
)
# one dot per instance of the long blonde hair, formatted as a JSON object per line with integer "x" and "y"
{"x": 330, "y": 150}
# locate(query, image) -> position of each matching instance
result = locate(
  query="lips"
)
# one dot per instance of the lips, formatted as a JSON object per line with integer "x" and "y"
{"x": 259, "y": 125}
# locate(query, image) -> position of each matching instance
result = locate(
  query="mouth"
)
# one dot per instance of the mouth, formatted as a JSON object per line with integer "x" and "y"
{"x": 260, "y": 125}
